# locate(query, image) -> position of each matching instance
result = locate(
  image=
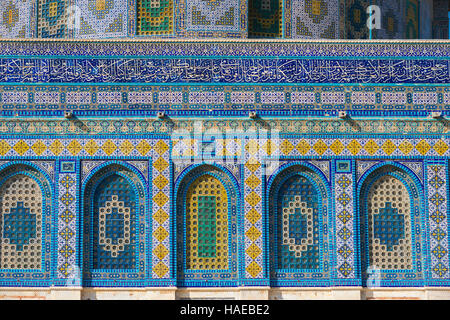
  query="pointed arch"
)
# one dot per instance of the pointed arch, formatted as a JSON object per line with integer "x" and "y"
{"x": 25, "y": 202}
{"x": 298, "y": 211}
{"x": 390, "y": 204}
{"x": 114, "y": 203}
{"x": 206, "y": 205}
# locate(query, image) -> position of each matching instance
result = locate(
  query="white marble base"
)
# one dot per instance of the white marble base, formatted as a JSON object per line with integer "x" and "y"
{"x": 239, "y": 293}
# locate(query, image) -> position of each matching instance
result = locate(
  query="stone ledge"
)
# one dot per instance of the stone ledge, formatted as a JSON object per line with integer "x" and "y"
{"x": 235, "y": 293}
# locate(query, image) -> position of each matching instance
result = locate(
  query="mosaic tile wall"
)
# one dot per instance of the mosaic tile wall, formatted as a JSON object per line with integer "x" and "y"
{"x": 212, "y": 18}
{"x": 26, "y": 218}
{"x": 207, "y": 224}
{"x": 299, "y": 223}
{"x": 391, "y": 226}
{"x": 115, "y": 223}
{"x": 437, "y": 207}
{"x": 155, "y": 17}
{"x": 345, "y": 219}
{"x": 102, "y": 19}
{"x": 207, "y": 196}
{"x": 314, "y": 19}
{"x": 16, "y": 18}
{"x": 67, "y": 219}
{"x": 55, "y": 18}
{"x": 296, "y": 19}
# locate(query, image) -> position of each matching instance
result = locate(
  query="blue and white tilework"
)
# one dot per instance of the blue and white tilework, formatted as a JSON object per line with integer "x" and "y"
{"x": 206, "y": 90}
{"x": 102, "y": 19}
{"x": 67, "y": 221}
{"x": 345, "y": 220}
{"x": 313, "y": 19}
{"x": 212, "y": 18}
{"x": 15, "y": 18}
{"x": 438, "y": 226}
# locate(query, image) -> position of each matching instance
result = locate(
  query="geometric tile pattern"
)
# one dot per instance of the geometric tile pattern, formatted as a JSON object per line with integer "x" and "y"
{"x": 265, "y": 18}
{"x": 437, "y": 188}
{"x": 114, "y": 240}
{"x": 299, "y": 236}
{"x": 31, "y": 138}
{"x": 212, "y": 18}
{"x": 206, "y": 225}
{"x": 313, "y": 19}
{"x": 226, "y": 98}
{"x": 329, "y": 127}
{"x": 67, "y": 218}
{"x": 207, "y": 18}
{"x": 185, "y": 147}
{"x": 253, "y": 196}
{"x": 102, "y": 19}
{"x": 416, "y": 167}
{"x": 364, "y": 146}
{"x": 53, "y": 18}
{"x": 391, "y": 226}
{"x": 307, "y": 146}
{"x": 155, "y": 17}
{"x": 21, "y": 223}
{"x": 228, "y": 147}
{"x": 278, "y": 48}
{"x": 298, "y": 225}
{"x": 298, "y": 243}
{"x": 159, "y": 151}
{"x": 15, "y": 19}
{"x": 345, "y": 219}
{"x": 114, "y": 225}
{"x": 25, "y": 220}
